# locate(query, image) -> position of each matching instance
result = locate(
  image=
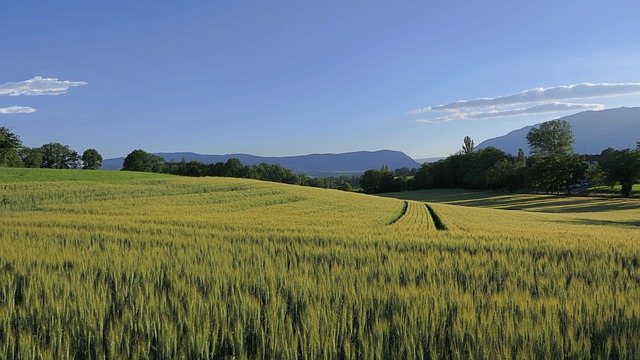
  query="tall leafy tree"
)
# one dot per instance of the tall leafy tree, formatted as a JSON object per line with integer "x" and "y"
{"x": 551, "y": 138}
{"x": 233, "y": 168}
{"x": 522, "y": 160}
{"x": 553, "y": 162}
{"x": 58, "y": 156}
{"x": 621, "y": 166}
{"x": 91, "y": 159}
{"x": 386, "y": 180}
{"x": 9, "y": 143}
{"x": 370, "y": 182}
{"x": 140, "y": 160}
{"x": 468, "y": 146}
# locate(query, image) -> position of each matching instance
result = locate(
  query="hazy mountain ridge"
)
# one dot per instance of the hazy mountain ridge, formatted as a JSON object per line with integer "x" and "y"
{"x": 313, "y": 164}
{"x": 593, "y": 132}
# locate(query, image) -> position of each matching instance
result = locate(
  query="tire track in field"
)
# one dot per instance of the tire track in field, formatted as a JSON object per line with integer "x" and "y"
{"x": 437, "y": 220}
{"x": 402, "y": 213}
{"x": 419, "y": 216}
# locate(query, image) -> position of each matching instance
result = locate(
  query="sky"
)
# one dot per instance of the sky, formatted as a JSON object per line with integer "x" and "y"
{"x": 279, "y": 78}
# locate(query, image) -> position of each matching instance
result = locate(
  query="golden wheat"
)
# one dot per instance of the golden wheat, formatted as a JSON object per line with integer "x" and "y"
{"x": 168, "y": 267}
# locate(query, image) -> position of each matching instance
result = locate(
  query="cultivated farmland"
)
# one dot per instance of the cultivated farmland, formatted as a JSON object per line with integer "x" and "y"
{"x": 126, "y": 265}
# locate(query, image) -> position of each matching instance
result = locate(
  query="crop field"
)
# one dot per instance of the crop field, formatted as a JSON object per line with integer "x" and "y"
{"x": 98, "y": 265}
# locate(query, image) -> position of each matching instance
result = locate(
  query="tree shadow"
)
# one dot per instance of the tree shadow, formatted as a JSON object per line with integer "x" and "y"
{"x": 632, "y": 223}
{"x": 541, "y": 203}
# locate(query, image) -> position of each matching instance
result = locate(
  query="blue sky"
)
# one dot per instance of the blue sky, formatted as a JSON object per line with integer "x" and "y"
{"x": 278, "y": 78}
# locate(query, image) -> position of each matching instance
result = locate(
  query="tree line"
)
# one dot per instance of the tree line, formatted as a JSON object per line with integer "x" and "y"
{"x": 553, "y": 166}
{"x": 58, "y": 156}
{"x": 140, "y": 160}
{"x": 53, "y": 155}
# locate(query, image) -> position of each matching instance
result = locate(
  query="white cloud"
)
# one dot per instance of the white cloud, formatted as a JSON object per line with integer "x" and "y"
{"x": 17, "y": 110}
{"x": 509, "y": 112}
{"x": 529, "y": 102}
{"x": 38, "y": 86}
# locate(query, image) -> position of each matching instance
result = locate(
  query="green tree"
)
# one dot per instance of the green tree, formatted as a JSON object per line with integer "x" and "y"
{"x": 404, "y": 171}
{"x": 553, "y": 162}
{"x": 550, "y": 172}
{"x": 233, "y": 168}
{"x": 58, "y": 156}
{"x": 345, "y": 186}
{"x": 140, "y": 160}
{"x": 522, "y": 160}
{"x": 506, "y": 173}
{"x": 387, "y": 183}
{"x": 91, "y": 159}
{"x": 370, "y": 182}
{"x": 621, "y": 166}
{"x": 468, "y": 146}
{"x": 31, "y": 157}
{"x": 596, "y": 176}
{"x": 9, "y": 143}
{"x": 479, "y": 164}
{"x": 551, "y": 138}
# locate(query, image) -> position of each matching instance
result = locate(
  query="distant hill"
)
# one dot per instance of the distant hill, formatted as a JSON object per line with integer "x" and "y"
{"x": 313, "y": 164}
{"x": 593, "y": 132}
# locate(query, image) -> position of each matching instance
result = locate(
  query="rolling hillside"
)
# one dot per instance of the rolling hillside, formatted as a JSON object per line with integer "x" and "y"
{"x": 112, "y": 264}
{"x": 313, "y": 164}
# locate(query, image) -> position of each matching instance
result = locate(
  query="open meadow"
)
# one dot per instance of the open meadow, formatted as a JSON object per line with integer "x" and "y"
{"x": 97, "y": 264}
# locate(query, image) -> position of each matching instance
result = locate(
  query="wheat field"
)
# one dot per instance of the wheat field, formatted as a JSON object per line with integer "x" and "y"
{"x": 103, "y": 265}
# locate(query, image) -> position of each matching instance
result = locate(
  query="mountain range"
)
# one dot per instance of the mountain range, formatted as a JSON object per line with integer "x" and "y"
{"x": 593, "y": 131}
{"x": 352, "y": 163}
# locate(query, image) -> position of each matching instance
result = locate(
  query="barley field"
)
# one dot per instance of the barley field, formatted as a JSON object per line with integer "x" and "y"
{"x": 105, "y": 265}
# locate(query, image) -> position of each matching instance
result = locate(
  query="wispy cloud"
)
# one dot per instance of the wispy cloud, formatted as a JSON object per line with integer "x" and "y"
{"x": 509, "y": 112}
{"x": 34, "y": 87}
{"x": 17, "y": 110}
{"x": 38, "y": 86}
{"x": 529, "y": 102}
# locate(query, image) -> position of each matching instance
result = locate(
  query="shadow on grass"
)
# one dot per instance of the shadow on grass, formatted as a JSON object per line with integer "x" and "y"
{"x": 602, "y": 222}
{"x": 526, "y": 202}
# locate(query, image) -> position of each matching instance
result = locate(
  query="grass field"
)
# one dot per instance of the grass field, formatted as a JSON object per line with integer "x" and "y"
{"x": 127, "y": 265}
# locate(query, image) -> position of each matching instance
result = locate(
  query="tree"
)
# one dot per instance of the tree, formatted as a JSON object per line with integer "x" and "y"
{"x": 91, "y": 159}
{"x": 58, "y": 156}
{"x": 553, "y": 162}
{"x": 551, "y": 138}
{"x": 479, "y": 164}
{"x": 9, "y": 143}
{"x": 596, "y": 176}
{"x": 522, "y": 160}
{"x": 404, "y": 171}
{"x": 345, "y": 186}
{"x": 468, "y": 146}
{"x": 550, "y": 172}
{"x": 233, "y": 168}
{"x": 140, "y": 160}
{"x": 31, "y": 157}
{"x": 387, "y": 183}
{"x": 506, "y": 173}
{"x": 370, "y": 182}
{"x": 621, "y": 166}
